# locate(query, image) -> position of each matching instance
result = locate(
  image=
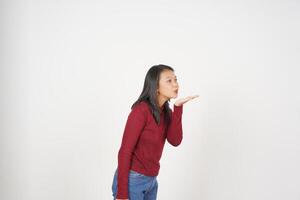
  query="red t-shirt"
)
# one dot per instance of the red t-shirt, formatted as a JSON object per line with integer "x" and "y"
{"x": 143, "y": 141}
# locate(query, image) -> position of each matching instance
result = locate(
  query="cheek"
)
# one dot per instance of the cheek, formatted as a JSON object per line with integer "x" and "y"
{"x": 167, "y": 90}
{"x": 163, "y": 90}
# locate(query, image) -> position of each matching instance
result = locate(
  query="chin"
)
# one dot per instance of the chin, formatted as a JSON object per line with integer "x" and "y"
{"x": 173, "y": 96}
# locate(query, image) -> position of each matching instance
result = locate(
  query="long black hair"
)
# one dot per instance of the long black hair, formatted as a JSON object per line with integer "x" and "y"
{"x": 149, "y": 93}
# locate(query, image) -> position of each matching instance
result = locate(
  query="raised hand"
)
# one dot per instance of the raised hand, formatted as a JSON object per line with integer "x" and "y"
{"x": 181, "y": 101}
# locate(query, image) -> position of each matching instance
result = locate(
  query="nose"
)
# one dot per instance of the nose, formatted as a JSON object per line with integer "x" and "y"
{"x": 176, "y": 85}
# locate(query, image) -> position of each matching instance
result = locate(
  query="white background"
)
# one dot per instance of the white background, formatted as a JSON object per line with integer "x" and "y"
{"x": 70, "y": 71}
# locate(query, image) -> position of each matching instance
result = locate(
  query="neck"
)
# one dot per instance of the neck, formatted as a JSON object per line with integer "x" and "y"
{"x": 161, "y": 101}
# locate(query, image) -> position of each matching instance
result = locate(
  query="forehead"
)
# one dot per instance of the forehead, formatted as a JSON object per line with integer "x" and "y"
{"x": 167, "y": 74}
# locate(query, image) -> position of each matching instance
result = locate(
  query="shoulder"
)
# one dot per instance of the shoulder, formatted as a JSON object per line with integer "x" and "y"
{"x": 141, "y": 108}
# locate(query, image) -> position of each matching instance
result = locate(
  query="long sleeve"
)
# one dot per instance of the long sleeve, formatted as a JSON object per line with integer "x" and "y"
{"x": 136, "y": 121}
{"x": 174, "y": 131}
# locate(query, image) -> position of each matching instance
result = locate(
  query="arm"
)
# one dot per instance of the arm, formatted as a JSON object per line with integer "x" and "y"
{"x": 174, "y": 131}
{"x": 136, "y": 121}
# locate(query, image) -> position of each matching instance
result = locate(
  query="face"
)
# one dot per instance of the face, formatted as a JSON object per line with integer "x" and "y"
{"x": 168, "y": 86}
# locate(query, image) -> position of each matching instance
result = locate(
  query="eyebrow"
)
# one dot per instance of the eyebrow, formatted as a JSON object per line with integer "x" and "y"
{"x": 171, "y": 76}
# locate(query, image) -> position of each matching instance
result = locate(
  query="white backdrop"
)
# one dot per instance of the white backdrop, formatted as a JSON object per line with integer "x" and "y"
{"x": 70, "y": 71}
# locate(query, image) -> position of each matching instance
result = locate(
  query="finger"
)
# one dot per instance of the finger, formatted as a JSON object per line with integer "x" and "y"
{"x": 192, "y": 97}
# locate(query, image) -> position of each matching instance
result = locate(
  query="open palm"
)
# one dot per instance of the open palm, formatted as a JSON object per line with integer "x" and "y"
{"x": 181, "y": 101}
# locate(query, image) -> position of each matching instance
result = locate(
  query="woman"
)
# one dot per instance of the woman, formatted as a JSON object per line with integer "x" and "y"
{"x": 148, "y": 125}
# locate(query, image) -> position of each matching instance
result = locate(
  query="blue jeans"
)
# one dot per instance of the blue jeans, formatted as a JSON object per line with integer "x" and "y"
{"x": 140, "y": 187}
